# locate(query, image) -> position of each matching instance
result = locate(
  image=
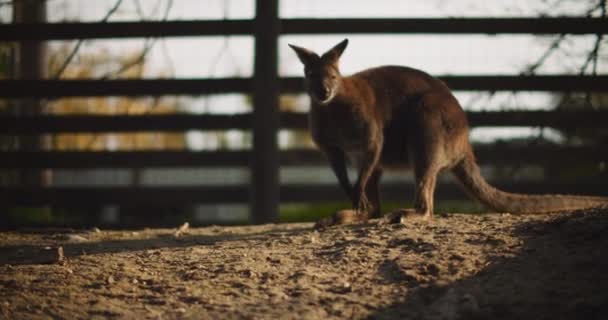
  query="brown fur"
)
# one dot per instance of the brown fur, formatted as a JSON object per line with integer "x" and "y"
{"x": 394, "y": 116}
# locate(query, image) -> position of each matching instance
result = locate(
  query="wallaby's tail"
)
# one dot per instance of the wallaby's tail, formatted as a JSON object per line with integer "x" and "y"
{"x": 467, "y": 172}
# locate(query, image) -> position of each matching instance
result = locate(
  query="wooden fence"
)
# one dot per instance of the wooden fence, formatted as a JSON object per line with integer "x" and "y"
{"x": 264, "y": 160}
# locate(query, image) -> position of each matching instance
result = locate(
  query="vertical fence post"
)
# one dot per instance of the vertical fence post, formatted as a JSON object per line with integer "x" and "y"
{"x": 265, "y": 156}
{"x": 31, "y": 64}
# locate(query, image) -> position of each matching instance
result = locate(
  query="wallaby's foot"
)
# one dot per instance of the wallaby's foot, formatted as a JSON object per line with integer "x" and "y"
{"x": 402, "y": 215}
{"x": 341, "y": 217}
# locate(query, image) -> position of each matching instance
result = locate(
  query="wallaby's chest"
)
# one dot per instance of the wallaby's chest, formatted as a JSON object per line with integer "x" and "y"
{"x": 339, "y": 126}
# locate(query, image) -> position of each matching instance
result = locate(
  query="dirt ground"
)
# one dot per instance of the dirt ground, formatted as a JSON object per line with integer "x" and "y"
{"x": 494, "y": 266}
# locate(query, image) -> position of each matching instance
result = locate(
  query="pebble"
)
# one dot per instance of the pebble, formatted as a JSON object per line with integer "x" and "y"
{"x": 314, "y": 237}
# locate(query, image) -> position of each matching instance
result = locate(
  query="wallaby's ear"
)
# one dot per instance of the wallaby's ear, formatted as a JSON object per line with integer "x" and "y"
{"x": 334, "y": 53}
{"x": 306, "y": 56}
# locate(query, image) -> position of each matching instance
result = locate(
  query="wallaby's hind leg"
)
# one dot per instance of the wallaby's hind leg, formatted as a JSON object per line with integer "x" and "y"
{"x": 346, "y": 216}
{"x": 372, "y": 190}
{"x": 425, "y": 180}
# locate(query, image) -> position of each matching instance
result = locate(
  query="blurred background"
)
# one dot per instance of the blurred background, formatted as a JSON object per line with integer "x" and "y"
{"x": 150, "y": 113}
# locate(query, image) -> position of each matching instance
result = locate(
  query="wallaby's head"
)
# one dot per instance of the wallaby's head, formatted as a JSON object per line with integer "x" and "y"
{"x": 322, "y": 73}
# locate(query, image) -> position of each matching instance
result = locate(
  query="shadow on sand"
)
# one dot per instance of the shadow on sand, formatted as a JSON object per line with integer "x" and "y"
{"x": 560, "y": 273}
{"x": 47, "y": 253}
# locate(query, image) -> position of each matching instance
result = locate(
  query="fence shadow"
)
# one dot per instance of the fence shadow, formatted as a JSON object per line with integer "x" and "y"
{"x": 47, "y": 253}
{"x": 561, "y": 273}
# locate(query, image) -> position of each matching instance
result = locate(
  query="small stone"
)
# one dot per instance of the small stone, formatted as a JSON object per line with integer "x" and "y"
{"x": 273, "y": 260}
{"x": 151, "y": 252}
{"x": 432, "y": 269}
{"x": 411, "y": 275}
{"x": 110, "y": 280}
{"x": 277, "y": 296}
{"x": 344, "y": 287}
{"x": 314, "y": 237}
{"x": 457, "y": 257}
{"x": 248, "y": 273}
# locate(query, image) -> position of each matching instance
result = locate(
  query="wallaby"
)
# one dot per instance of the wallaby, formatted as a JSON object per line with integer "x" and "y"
{"x": 400, "y": 117}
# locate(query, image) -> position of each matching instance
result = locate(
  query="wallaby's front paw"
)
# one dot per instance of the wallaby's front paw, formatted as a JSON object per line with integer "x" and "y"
{"x": 341, "y": 217}
{"x": 400, "y": 216}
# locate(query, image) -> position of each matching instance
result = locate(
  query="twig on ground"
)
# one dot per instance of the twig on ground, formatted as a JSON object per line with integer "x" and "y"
{"x": 183, "y": 229}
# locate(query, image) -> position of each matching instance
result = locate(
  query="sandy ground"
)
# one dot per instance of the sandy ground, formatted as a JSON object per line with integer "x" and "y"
{"x": 494, "y": 266}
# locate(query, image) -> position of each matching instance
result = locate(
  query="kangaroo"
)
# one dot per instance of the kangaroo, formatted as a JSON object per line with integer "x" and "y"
{"x": 399, "y": 117}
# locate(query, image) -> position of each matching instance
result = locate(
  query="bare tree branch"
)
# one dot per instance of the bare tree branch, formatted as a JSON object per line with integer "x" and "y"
{"x": 554, "y": 47}
{"x": 149, "y": 44}
{"x": 531, "y": 69}
{"x": 139, "y": 60}
{"x": 592, "y": 57}
{"x": 76, "y": 48}
{"x": 598, "y": 40}
{"x": 138, "y": 8}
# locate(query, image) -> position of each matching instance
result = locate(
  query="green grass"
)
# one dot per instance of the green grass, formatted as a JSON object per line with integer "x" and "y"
{"x": 31, "y": 215}
{"x": 305, "y": 212}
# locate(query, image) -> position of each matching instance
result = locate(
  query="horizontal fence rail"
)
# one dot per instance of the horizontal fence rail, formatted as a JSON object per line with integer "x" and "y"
{"x": 66, "y": 31}
{"x": 497, "y": 154}
{"x": 448, "y": 26}
{"x": 96, "y": 88}
{"x": 90, "y": 196}
{"x": 562, "y": 83}
{"x": 158, "y": 87}
{"x": 123, "y": 123}
{"x": 87, "y": 123}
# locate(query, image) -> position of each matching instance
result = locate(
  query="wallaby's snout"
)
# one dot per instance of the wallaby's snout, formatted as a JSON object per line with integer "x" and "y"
{"x": 324, "y": 93}
{"x": 320, "y": 90}
{"x": 322, "y": 73}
